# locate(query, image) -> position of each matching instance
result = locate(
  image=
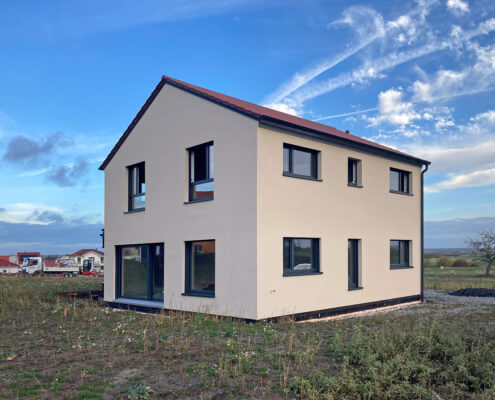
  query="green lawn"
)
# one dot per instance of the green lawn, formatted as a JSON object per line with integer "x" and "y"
{"x": 458, "y": 278}
{"x": 56, "y": 347}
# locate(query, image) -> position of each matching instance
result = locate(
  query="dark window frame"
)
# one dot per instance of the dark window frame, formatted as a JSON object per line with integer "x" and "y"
{"x": 350, "y": 172}
{"x": 315, "y": 247}
{"x": 149, "y": 283}
{"x": 407, "y": 263}
{"x": 187, "y": 287}
{"x": 355, "y": 249}
{"x": 314, "y": 162}
{"x": 402, "y": 174}
{"x": 209, "y": 173}
{"x": 131, "y": 195}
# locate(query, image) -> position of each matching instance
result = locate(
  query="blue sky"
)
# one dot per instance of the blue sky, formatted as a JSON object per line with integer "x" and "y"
{"x": 415, "y": 75}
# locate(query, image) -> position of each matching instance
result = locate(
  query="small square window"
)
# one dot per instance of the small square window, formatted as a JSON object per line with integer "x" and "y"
{"x": 301, "y": 256}
{"x": 399, "y": 254}
{"x": 136, "y": 188}
{"x": 399, "y": 181}
{"x": 300, "y": 162}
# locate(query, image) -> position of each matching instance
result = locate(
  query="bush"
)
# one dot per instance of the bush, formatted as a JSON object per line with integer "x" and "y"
{"x": 460, "y": 262}
{"x": 444, "y": 261}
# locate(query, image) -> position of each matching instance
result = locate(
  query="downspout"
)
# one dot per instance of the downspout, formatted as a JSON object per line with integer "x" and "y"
{"x": 423, "y": 233}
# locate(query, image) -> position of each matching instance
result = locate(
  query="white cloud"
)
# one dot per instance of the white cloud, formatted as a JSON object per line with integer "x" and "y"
{"x": 26, "y": 213}
{"x": 369, "y": 26}
{"x": 472, "y": 179}
{"x": 372, "y": 68}
{"x": 458, "y": 7}
{"x": 285, "y": 108}
{"x": 393, "y": 110}
{"x": 445, "y": 84}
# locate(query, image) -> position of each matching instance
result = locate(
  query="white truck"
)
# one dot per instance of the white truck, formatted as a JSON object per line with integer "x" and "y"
{"x": 36, "y": 266}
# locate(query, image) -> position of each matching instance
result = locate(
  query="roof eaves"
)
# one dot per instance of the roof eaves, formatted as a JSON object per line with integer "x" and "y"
{"x": 350, "y": 142}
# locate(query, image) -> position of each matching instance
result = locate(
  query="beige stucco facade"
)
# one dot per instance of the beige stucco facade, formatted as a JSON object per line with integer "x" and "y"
{"x": 254, "y": 207}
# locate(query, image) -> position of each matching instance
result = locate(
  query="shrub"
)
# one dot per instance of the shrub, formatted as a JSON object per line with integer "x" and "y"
{"x": 444, "y": 261}
{"x": 460, "y": 262}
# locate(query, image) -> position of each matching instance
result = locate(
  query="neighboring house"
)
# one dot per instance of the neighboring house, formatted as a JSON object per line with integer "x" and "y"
{"x": 8, "y": 267}
{"x": 77, "y": 258}
{"x": 23, "y": 255}
{"x": 217, "y": 205}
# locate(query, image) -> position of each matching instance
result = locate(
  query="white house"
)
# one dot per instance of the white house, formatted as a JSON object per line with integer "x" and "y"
{"x": 217, "y": 205}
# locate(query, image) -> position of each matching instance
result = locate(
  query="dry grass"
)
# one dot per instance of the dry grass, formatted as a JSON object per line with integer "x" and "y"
{"x": 56, "y": 347}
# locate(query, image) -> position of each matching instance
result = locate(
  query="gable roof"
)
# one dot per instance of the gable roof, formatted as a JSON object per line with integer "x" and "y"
{"x": 84, "y": 251}
{"x": 259, "y": 113}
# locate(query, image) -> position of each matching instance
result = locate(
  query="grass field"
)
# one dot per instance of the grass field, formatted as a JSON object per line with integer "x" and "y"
{"x": 458, "y": 278}
{"x": 57, "y": 347}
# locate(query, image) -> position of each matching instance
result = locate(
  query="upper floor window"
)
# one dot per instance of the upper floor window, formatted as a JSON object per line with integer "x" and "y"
{"x": 201, "y": 166}
{"x": 400, "y": 181}
{"x": 399, "y": 254}
{"x": 300, "y": 162}
{"x": 353, "y": 172}
{"x": 136, "y": 187}
{"x": 301, "y": 256}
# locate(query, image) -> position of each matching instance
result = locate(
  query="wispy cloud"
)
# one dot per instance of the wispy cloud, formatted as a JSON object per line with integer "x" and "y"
{"x": 372, "y": 69}
{"x": 484, "y": 177}
{"x": 369, "y": 26}
{"x": 346, "y": 114}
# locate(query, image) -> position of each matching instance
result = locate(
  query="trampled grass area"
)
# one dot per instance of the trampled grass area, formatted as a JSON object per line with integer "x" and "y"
{"x": 458, "y": 278}
{"x": 56, "y": 347}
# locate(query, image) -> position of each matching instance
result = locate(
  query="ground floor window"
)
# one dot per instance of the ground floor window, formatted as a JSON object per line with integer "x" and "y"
{"x": 140, "y": 271}
{"x": 301, "y": 256}
{"x": 200, "y": 268}
{"x": 353, "y": 263}
{"x": 399, "y": 253}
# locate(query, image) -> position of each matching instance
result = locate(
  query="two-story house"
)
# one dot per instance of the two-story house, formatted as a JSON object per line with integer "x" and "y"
{"x": 218, "y": 205}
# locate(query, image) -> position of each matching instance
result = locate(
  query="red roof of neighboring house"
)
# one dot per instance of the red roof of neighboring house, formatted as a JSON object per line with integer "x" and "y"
{"x": 23, "y": 255}
{"x": 6, "y": 263}
{"x": 84, "y": 251}
{"x": 50, "y": 263}
{"x": 260, "y": 113}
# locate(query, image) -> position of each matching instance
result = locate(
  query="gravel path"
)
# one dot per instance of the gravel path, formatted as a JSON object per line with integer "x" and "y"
{"x": 443, "y": 297}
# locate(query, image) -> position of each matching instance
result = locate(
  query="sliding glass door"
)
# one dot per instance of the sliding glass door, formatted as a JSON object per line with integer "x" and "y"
{"x": 140, "y": 271}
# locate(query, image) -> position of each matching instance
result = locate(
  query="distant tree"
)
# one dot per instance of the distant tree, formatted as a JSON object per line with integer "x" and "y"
{"x": 444, "y": 261}
{"x": 483, "y": 249}
{"x": 460, "y": 262}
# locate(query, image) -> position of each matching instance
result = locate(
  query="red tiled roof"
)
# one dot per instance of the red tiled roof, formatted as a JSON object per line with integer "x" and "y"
{"x": 6, "y": 263}
{"x": 21, "y": 256}
{"x": 257, "y": 112}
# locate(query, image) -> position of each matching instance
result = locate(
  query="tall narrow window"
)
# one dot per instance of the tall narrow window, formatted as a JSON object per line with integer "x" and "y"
{"x": 399, "y": 181}
{"x": 140, "y": 272}
{"x": 300, "y": 162}
{"x": 353, "y": 263}
{"x": 201, "y": 167}
{"x": 301, "y": 256}
{"x": 399, "y": 253}
{"x": 353, "y": 172}
{"x": 200, "y": 268}
{"x": 136, "y": 187}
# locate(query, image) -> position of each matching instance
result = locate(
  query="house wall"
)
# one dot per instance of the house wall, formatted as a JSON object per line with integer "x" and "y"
{"x": 87, "y": 256}
{"x": 334, "y": 212}
{"x": 175, "y": 121}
